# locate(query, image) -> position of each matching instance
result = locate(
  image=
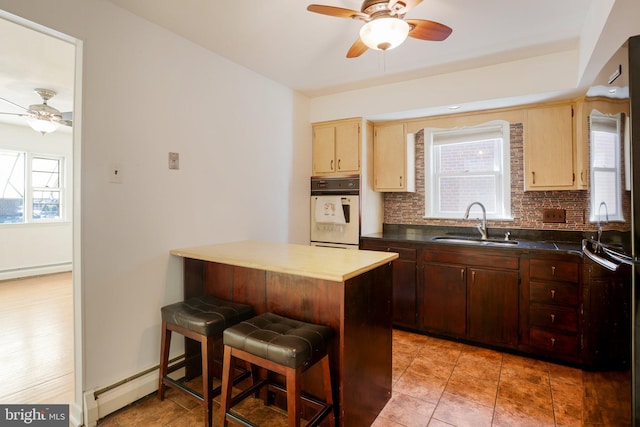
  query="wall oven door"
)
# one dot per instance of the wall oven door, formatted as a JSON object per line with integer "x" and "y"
{"x": 343, "y": 231}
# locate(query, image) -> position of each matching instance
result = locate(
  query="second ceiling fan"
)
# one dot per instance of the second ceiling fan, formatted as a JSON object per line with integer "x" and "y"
{"x": 385, "y": 26}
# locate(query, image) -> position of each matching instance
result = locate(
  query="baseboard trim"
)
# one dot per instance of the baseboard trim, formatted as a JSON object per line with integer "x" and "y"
{"x": 108, "y": 402}
{"x": 39, "y": 270}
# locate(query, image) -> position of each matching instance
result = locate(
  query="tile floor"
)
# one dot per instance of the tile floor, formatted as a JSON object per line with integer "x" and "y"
{"x": 441, "y": 383}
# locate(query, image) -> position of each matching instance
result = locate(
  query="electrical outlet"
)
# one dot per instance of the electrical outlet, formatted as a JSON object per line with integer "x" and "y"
{"x": 115, "y": 174}
{"x": 554, "y": 215}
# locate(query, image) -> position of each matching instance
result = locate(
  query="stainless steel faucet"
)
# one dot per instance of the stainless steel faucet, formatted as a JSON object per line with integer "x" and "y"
{"x": 481, "y": 226}
{"x": 606, "y": 219}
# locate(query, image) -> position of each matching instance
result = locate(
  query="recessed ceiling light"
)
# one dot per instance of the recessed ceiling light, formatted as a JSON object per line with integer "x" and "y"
{"x": 612, "y": 90}
{"x": 454, "y": 107}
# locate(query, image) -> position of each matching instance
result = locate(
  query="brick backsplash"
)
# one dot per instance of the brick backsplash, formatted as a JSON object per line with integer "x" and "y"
{"x": 526, "y": 207}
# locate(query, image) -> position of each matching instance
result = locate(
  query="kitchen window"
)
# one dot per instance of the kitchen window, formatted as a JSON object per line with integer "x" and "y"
{"x": 465, "y": 165}
{"x": 606, "y": 185}
{"x": 30, "y": 187}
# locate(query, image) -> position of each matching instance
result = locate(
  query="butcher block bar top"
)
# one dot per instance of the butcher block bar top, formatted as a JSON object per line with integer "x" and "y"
{"x": 316, "y": 262}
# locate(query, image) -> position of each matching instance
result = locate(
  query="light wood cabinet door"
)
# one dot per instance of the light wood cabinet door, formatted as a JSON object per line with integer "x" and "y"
{"x": 389, "y": 158}
{"x": 347, "y": 155}
{"x": 336, "y": 147}
{"x": 324, "y": 142}
{"x": 549, "y": 148}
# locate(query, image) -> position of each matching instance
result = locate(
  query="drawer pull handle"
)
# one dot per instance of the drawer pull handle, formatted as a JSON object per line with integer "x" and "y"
{"x": 553, "y": 294}
{"x": 473, "y": 277}
{"x": 553, "y": 318}
{"x": 553, "y": 270}
{"x": 331, "y": 168}
{"x": 462, "y": 274}
{"x": 339, "y": 164}
{"x": 553, "y": 342}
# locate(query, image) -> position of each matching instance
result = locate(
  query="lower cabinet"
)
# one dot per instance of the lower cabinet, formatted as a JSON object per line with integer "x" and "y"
{"x": 404, "y": 280}
{"x": 548, "y": 304}
{"x": 469, "y": 296}
{"x": 551, "y": 306}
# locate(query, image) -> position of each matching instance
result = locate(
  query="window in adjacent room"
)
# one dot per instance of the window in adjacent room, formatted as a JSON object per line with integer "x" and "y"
{"x": 606, "y": 191}
{"x": 30, "y": 187}
{"x": 466, "y": 165}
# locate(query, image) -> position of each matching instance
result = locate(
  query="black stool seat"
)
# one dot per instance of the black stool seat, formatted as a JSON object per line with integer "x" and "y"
{"x": 279, "y": 339}
{"x": 202, "y": 319}
{"x": 206, "y": 315}
{"x": 287, "y": 347}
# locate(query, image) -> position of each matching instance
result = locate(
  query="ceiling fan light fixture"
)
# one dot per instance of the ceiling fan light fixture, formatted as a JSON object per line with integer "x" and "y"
{"x": 42, "y": 125}
{"x": 384, "y": 33}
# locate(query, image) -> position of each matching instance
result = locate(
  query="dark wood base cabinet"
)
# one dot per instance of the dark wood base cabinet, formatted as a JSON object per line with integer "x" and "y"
{"x": 553, "y": 305}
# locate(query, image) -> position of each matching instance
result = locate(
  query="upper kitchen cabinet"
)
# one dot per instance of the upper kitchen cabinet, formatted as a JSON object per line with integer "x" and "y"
{"x": 337, "y": 147}
{"x": 549, "y": 148}
{"x": 393, "y": 158}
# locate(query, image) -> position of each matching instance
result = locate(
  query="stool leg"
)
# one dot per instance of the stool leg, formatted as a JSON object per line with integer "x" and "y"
{"x": 294, "y": 386}
{"x": 165, "y": 343}
{"x": 228, "y": 367}
{"x": 207, "y": 378}
{"x": 328, "y": 391}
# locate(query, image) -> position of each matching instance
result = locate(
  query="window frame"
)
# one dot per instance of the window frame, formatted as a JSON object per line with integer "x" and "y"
{"x": 29, "y": 189}
{"x": 502, "y": 166}
{"x": 595, "y": 213}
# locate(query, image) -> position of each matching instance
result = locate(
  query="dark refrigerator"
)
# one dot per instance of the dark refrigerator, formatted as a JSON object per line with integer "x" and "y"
{"x": 634, "y": 99}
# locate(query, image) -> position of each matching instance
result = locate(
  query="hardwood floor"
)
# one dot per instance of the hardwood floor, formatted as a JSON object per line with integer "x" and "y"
{"x": 36, "y": 340}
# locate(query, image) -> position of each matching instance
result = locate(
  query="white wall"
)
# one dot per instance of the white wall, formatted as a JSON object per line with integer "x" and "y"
{"x": 244, "y": 144}
{"x": 37, "y": 248}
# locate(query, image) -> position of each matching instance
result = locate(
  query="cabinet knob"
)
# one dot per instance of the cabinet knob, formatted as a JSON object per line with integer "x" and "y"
{"x": 553, "y": 294}
{"x": 338, "y": 164}
{"x": 553, "y": 270}
{"x": 462, "y": 274}
{"x": 534, "y": 177}
{"x": 553, "y": 318}
{"x": 553, "y": 342}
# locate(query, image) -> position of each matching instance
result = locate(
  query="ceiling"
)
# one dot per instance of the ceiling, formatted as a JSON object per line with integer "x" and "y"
{"x": 307, "y": 51}
{"x": 33, "y": 60}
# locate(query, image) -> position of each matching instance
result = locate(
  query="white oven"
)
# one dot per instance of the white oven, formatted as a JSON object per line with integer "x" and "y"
{"x": 335, "y": 212}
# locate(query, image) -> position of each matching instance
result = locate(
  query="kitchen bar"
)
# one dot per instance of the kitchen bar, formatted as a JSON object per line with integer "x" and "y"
{"x": 348, "y": 290}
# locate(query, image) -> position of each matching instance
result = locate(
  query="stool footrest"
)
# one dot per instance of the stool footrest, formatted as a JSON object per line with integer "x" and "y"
{"x": 240, "y": 419}
{"x": 247, "y": 392}
{"x": 324, "y": 408}
{"x": 177, "y": 384}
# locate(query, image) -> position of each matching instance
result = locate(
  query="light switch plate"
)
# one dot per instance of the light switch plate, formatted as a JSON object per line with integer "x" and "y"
{"x": 174, "y": 161}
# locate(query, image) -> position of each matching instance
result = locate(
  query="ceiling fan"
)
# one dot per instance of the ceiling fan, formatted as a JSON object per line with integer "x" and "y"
{"x": 42, "y": 117}
{"x": 385, "y": 26}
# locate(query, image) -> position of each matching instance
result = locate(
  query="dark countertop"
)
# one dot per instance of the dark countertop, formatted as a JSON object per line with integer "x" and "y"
{"x": 527, "y": 240}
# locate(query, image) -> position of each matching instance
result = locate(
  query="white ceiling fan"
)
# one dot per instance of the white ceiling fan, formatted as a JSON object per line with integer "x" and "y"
{"x": 42, "y": 117}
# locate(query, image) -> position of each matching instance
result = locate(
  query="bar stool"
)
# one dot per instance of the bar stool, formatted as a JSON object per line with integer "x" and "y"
{"x": 202, "y": 319}
{"x": 285, "y": 346}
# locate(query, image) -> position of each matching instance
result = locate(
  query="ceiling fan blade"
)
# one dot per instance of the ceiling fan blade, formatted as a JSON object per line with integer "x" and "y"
{"x": 13, "y": 103}
{"x": 67, "y": 118}
{"x": 357, "y": 49}
{"x": 14, "y": 114}
{"x": 428, "y": 30}
{"x": 337, "y": 11}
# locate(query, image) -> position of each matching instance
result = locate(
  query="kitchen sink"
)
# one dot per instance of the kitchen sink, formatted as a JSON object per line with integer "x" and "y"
{"x": 475, "y": 241}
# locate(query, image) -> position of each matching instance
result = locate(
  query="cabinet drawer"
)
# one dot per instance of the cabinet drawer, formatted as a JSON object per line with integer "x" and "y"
{"x": 404, "y": 253}
{"x": 554, "y": 342}
{"x": 554, "y": 293}
{"x": 554, "y": 270}
{"x": 554, "y": 317}
{"x": 469, "y": 257}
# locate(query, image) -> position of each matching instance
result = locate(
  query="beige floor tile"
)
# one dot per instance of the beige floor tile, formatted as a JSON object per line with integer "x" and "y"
{"x": 524, "y": 392}
{"x": 423, "y": 387}
{"x": 462, "y": 412}
{"x": 509, "y": 414}
{"x": 408, "y": 411}
{"x": 473, "y": 389}
{"x": 489, "y": 372}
